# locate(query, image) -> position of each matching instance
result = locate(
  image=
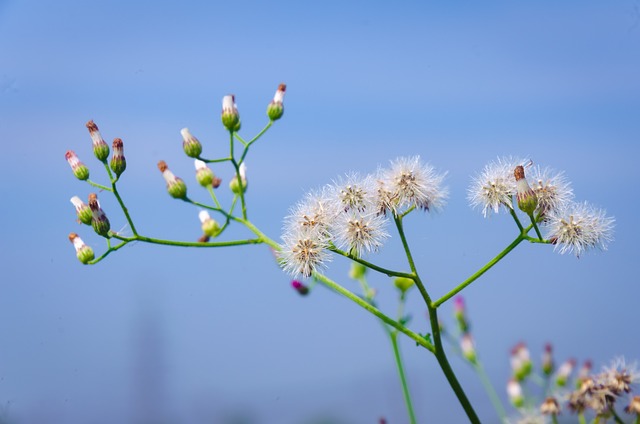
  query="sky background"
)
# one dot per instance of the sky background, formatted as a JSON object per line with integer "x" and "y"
{"x": 170, "y": 335}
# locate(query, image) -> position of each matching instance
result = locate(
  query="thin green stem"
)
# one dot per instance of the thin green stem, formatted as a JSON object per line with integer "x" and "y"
{"x": 214, "y": 160}
{"x": 535, "y": 226}
{"x": 374, "y": 267}
{"x": 393, "y": 335}
{"x": 441, "y": 356}
{"x": 554, "y": 419}
{"x": 164, "y": 242}
{"x": 515, "y": 218}
{"x": 109, "y": 250}
{"x": 479, "y": 273}
{"x": 491, "y": 391}
{"x": 124, "y": 208}
{"x": 581, "y": 418}
{"x": 373, "y": 310}
{"x": 100, "y": 186}
{"x": 213, "y": 196}
{"x": 616, "y": 417}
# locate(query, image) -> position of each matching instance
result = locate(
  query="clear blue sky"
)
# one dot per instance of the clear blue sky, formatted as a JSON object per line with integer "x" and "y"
{"x": 195, "y": 336}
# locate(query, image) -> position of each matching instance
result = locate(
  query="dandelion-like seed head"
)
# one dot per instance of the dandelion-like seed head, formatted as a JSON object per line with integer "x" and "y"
{"x": 354, "y": 193}
{"x": 303, "y": 252}
{"x": 495, "y": 186}
{"x": 619, "y": 376}
{"x": 413, "y": 183}
{"x": 553, "y": 189}
{"x": 360, "y": 233}
{"x": 313, "y": 213}
{"x": 578, "y": 227}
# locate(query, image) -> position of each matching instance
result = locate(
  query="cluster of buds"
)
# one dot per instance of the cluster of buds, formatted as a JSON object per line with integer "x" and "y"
{"x": 175, "y": 185}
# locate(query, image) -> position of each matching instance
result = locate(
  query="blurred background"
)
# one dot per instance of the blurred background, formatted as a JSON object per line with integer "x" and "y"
{"x": 169, "y": 335}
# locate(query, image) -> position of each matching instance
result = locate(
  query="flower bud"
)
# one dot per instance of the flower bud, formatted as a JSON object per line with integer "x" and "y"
{"x": 210, "y": 226}
{"x": 79, "y": 169}
{"x": 357, "y": 271}
{"x": 514, "y": 391}
{"x": 459, "y": 313}
{"x": 236, "y": 186}
{"x": 521, "y": 364}
{"x": 300, "y": 288}
{"x": 275, "y": 110}
{"x": 83, "y": 211}
{"x": 468, "y": 349}
{"x": 564, "y": 372}
{"x": 118, "y": 162}
{"x": 634, "y": 406}
{"x": 403, "y": 284}
{"x": 583, "y": 373}
{"x": 190, "y": 144}
{"x": 204, "y": 175}
{"x": 230, "y": 115}
{"x": 547, "y": 360}
{"x": 83, "y": 252}
{"x": 100, "y": 147}
{"x": 175, "y": 186}
{"x": 99, "y": 220}
{"x": 527, "y": 198}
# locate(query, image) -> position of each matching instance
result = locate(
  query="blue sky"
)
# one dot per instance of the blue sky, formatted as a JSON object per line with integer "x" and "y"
{"x": 190, "y": 335}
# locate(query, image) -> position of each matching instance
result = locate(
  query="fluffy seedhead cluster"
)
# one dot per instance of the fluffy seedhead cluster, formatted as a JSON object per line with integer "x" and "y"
{"x": 547, "y": 197}
{"x": 352, "y": 213}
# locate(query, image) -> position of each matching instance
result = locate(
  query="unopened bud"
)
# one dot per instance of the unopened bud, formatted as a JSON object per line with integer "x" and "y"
{"x": 459, "y": 313}
{"x": 300, "y": 288}
{"x": 83, "y": 252}
{"x": 357, "y": 271}
{"x": 99, "y": 220}
{"x": 204, "y": 175}
{"x": 527, "y": 198}
{"x": 521, "y": 364}
{"x": 79, "y": 169}
{"x": 584, "y": 372}
{"x": 564, "y": 372}
{"x": 210, "y": 226}
{"x": 190, "y": 144}
{"x": 467, "y": 347}
{"x": 514, "y": 391}
{"x": 230, "y": 115}
{"x": 547, "y": 360}
{"x": 100, "y": 147}
{"x": 403, "y": 284}
{"x": 83, "y": 211}
{"x": 175, "y": 186}
{"x": 240, "y": 186}
{"x": 634, "y": 406}
{"x": 275, "y": 110}
{"x": 118, "y": 162}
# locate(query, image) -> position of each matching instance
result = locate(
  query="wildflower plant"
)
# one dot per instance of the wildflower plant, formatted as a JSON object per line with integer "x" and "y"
{"x": 353, "y": 216}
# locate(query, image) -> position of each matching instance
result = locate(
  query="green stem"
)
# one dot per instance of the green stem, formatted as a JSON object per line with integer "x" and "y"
{"x": 535, "y": 226}
{"x": 100, "y": 186}
{"x": 403, "y": 380}
{"x": 581, "y": 418}
{"x": 380, "y": 269}
{"x": 554, "y": 419}
{"x": 152, "y": 240}
{"x": 105, "y": 254}
{"x": 124, "y": 208}
{"x": 441, "y": 356}
{"x": 479, "y": 273}
{"x": 491, "y": 391}
{"x": 616, "y": 417}
{"x": 371, "y": 309}
{"x": 214, "y": 197}
{"x": 214, "y": 160}
{"x": 515, "y": 218}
